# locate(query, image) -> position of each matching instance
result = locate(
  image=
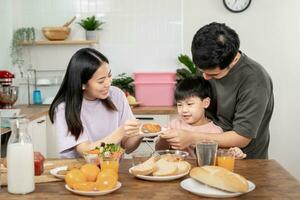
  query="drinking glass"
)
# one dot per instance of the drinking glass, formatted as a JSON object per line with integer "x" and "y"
{"x": 206, "y": 151}
{"x": 225, "y": 159}
{"x": 109, "y": 163}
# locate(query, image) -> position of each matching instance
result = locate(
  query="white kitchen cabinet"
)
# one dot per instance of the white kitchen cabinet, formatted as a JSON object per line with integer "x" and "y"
{"x": 37, "y": 132}
{"x": 52, "y": 141}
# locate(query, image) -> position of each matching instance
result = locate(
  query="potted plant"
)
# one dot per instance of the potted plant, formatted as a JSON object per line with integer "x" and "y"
{"x": 190, "y": 70}
{"x": 92, "y": 26}
{"x": 20, "y": 35}
{"x": 124, "y": 82}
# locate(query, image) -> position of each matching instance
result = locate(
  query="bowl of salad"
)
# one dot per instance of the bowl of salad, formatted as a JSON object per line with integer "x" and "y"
{"x": 104, "y": 152}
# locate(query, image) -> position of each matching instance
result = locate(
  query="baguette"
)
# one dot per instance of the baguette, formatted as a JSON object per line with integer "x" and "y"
{"x": 144, "y": 168}
{"x": 220, "y": 178}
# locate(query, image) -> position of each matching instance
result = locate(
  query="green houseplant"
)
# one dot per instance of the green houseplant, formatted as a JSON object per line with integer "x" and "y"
{"x": 20, "y": 35}
{"x": 92, "y": 26}
{"x": 189, "y": 70}
{"x": 124, "y": 82}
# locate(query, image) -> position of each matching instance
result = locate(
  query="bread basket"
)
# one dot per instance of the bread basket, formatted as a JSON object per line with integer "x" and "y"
{"x": 58, "y": 32}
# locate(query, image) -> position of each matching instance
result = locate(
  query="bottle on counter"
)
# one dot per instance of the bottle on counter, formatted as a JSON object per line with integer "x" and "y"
{"x": 20, "y": 159}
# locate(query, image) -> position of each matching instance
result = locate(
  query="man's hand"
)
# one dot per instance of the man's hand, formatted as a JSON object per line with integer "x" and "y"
{"x": 178, "y": 139}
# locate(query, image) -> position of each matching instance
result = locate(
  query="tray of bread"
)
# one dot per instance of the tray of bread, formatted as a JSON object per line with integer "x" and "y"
{"x": 165, "y": 167}
{"x": 216, "y": 182}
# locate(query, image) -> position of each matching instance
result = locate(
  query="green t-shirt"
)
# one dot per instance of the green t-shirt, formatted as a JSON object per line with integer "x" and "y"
{"x": 244, "y": 103}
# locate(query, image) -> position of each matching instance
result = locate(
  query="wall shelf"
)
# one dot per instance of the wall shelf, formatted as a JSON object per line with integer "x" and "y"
{"x": 63, "y": 42}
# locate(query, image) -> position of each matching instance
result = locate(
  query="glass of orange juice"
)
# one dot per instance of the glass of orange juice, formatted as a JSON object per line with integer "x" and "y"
{"x": 225, "y": 159}
{"x": 109, "y": 163}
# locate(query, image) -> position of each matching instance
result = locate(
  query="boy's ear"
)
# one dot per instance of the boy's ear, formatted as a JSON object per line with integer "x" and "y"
{"x": 206, "y": 102}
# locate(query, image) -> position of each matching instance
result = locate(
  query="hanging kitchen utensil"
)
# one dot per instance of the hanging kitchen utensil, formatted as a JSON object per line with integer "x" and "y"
{"x": 69, "y": 22}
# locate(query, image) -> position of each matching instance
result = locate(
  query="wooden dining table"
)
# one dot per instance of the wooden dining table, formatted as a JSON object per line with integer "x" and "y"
{"x": 271, "y": 179}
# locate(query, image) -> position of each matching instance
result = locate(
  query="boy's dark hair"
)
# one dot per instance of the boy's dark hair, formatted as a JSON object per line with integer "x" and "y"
{"x": 215, "y": 45}
{"x": 194, "y": 86}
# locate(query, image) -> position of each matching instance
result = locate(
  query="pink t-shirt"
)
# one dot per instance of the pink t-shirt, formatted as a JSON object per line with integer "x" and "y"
{"x": 206, "y": 128}
{"x": 98, "y": 122}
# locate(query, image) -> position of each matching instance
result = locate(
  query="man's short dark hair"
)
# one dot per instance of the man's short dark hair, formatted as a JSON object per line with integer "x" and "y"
{"x": 215, "y": 45}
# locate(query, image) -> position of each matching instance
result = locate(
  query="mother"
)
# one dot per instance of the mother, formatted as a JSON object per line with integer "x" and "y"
{"x": 87, "y": 110}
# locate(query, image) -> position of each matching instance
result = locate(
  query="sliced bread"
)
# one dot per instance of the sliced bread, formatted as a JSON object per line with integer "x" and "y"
{"x": 165, "y": 168}
{"x": 183, "y": 167}
{"x": 144, "y": 168}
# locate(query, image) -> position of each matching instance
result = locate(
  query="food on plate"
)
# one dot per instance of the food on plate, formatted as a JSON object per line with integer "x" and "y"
{"x": 151, "y": 128}
{"x": 90, "y": 178}
{"x": 74, "y": 166}
{"x": 90, "y": 171}
{"x": 74, "y": 176}
{"x": 106, "y": 180}
{"x": 159, "y": 166}
{"x": 62, "y": 172}
{"x": 220, "y": 178}
{"x": 165, "y": 168}
{"x": 144, "y": 168}
{"x": 172, "y": 157}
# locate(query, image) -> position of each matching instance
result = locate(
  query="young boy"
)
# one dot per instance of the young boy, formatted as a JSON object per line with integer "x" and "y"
{"x": 192, "y": 96}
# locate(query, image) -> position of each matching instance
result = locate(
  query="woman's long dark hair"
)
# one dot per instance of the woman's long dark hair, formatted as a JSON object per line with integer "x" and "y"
{"x": 83, "y": 64}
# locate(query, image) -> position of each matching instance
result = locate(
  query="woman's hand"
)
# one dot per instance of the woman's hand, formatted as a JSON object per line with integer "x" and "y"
{"x": 131, "y": 128}
{"x": 177, "y": 138}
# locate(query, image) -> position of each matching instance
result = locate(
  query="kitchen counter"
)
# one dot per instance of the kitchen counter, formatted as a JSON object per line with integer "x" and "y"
{"x": 272, "y": 182}
{"x": 33, "y": 112}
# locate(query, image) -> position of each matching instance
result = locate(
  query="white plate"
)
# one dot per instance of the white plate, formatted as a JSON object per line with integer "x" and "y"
{"x": 201, "y": 189}
{"x": 55, "y": 170}
{"x": 150, "y": 135}
{"x": 160, "y": 178}
{"x": 93, "y": 193}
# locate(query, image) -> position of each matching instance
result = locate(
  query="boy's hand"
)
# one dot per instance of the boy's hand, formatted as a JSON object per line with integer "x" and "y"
{"x": 178, "y": 138}
{"x": 238, "y": 153}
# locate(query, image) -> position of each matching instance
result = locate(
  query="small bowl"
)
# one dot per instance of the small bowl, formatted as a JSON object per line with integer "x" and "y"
{"x": 178, "y": 155}
{"x": 56, "y": 33}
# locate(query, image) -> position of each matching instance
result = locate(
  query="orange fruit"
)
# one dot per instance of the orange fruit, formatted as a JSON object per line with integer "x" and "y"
{"x": 106, "y": 180}
{"x": 90, "y": 171}
{"x": 74, "y": 176}
{"x": 84, "y": 186}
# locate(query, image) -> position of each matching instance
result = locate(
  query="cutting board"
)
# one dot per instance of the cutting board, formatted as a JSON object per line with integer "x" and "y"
{"x": 46, "y": 176}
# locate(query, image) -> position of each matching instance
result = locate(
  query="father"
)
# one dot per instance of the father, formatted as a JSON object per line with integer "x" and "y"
{"x": 243, "y": 94}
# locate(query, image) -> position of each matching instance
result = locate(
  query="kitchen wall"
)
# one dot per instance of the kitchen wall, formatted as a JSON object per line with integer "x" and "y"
{"x": 269, "y": 32}
{"x": 149, "y": 35}
{"x": 5, "y": 33}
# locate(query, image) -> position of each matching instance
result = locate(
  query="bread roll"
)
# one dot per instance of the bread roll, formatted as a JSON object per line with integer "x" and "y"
{"x": 183, "y": 167}
{"x": 220, "y": 178}
{"x": 165, "y": 168}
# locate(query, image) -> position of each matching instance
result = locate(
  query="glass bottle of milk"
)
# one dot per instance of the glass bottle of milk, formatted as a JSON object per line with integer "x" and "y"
{"x": 20, "y": 159}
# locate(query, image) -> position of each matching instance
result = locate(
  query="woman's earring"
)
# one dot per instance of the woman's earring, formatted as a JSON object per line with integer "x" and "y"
{"x": 83, "y": 87}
